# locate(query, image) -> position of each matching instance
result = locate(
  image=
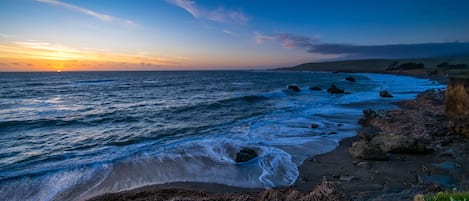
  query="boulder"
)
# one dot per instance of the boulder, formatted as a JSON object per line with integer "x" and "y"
{"x": 334, "y": 90}
{"x": 293, "y": 88}
{"x": 394, "y": 143}
{"x": 362, "y": 149}
{"x": 315, "y": 88}
{"x": 314, "y": 125}
{"x": 385, "y": 94}
{"x": 350, "y": 79}
{"x": 245, "y": 154}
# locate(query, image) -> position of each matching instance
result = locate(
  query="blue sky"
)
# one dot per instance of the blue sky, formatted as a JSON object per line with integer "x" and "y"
{"x": 191, "y": 34}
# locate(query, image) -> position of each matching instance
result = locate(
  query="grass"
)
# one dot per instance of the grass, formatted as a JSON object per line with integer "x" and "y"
{"x": 448, "y": 196}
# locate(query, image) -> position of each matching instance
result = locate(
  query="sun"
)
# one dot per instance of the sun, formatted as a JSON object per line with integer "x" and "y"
{"x": 59, "y": 67}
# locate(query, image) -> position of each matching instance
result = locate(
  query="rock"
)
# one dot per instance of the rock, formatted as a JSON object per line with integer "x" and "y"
{"x": 245, "y": 154}
{"x": 399, "y": 144}
{"x": 314, "y": 125}
{"x": 362, "y": 149}
{"x": 293, "y": 88}
{"x": 334, "y": 90}
{"x": 315, "y": 88}
{"x": 368, "y": 132}
{"x": 281, "y": 195}
{"x": 369, "y": 113}
{"x": 419, "y": 197}
{"x": 326, "y": 191}
{"x": 457, "y": 104}
{"x": 350, "y": 79}
{"x": 385, "y": 94}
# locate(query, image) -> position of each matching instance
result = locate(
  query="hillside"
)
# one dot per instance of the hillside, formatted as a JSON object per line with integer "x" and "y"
{"x": 374, "y": 65}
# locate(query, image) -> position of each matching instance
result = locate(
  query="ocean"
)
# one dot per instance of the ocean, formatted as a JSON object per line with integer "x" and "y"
{"x": 74, "y": 135}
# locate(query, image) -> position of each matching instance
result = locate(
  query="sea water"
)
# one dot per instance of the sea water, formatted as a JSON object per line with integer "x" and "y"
{"x": 71, "y": 136}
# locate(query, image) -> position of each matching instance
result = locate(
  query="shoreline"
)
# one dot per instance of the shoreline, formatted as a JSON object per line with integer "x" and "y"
{"x": 337, "y": 166}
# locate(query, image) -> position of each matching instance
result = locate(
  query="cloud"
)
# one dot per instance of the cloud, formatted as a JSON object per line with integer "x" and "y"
{"x": 314, "y": 45}
{"x": 220, "y": 15}
{"x": 100, "y": 16}
{"x": 230, "y": 33}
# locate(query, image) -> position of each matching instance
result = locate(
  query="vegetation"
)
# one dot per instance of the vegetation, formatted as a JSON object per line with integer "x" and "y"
{"x": 380, "y": 65}
{"x": 448, "y": 196}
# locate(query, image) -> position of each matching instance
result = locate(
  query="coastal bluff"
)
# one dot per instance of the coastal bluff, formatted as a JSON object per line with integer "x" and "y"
{"x": 457, "y": 104}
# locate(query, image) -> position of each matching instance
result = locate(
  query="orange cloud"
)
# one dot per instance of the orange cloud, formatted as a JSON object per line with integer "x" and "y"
{"x": 47, "y": 57}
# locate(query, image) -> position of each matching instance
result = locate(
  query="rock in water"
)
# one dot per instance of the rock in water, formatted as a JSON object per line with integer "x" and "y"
{"x": 385, "y": 94}
{"x": 245, "y": 154}
{"x": 350, "y": 79}
{"x": 316, "y": 88}
{"x": 314, "y": 125}
{"x": 293, "y": 88}
{"x": 334, "y": 90}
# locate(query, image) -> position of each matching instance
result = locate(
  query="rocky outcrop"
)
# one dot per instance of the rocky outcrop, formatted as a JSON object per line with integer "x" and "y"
{"x": 334, "y": 90}
{"x": 293, "y": 88}
{"x": 324, "y": 191}
{"x": 245, "y": 154}
{"x": 350, "y": 79}
{"x": 457, "y": 104}
{"x": 420, "y": 126}
{"x": 385, "y": 94}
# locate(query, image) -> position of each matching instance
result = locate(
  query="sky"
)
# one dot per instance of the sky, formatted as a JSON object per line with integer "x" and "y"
{"x": 89, "y": 35}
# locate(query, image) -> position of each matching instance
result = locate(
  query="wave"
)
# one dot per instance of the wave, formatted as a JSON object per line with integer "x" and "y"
{"x": 39, "y": 123}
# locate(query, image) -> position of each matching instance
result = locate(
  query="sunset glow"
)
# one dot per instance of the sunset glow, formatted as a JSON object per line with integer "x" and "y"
{"x": 72, "y": 35}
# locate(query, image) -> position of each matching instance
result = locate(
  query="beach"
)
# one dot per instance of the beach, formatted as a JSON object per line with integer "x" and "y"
{"x": 441, "y": 166}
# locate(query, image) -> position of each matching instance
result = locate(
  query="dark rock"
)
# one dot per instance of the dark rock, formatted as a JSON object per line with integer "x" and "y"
{"x": 328, "y": 191}
{"x": 385, "y": 94}
{"x": 350, "y": 79}
{"x": 284, "y": 195}
{"x": 334, "y": 90}
{"x": 314, "y": 125}
{"x": 368, "y": 133}
{"x": 293, "y": 88}
{"x": 399, "y": 144}
{"x": 369, "y": 113}
{"x": 362, "y": 149}
{"x": 315, "y": 88}
{"x": 245, "y": 154}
